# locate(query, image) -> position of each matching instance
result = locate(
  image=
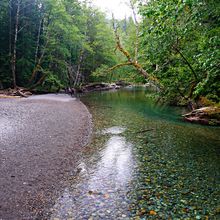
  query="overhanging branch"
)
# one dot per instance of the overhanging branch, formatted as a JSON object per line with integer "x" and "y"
{"x": 120, "y": 65}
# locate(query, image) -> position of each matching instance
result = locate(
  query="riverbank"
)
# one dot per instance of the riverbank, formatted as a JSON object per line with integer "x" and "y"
{"x": 203, "y": 114}
{"x": 42, "y": 138}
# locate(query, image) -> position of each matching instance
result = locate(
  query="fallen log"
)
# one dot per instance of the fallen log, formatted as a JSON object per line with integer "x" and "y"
{"x": 18, "y": 92}
{"x": 92, "y": 87}
{"x": 205, "y": 116}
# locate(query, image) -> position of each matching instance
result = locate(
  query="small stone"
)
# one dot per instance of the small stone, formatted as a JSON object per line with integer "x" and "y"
{"x": 183, "y": 201}
{"x": 152, "y": 212}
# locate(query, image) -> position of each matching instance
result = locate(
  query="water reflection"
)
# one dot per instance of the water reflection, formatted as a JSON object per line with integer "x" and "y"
{"x": 116, "y": 164}
{"x": 114, "y": 130}
{"x": 101, "y": 182}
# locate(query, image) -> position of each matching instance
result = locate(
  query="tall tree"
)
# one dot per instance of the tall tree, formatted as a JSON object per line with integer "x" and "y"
{"x": 16, "y": 31}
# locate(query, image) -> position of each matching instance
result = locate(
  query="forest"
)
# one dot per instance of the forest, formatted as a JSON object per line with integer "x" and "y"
{"x": 174, "y": 44}
{"x": 109, "y": 117}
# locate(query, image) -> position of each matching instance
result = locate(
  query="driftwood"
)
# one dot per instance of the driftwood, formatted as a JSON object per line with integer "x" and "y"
{"x": 206, "y": 116}
{"x": 99, "y": 87}
{"x": 18, "y": 92}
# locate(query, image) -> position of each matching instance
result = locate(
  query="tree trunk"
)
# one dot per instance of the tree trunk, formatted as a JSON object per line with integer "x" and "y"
{"x": 77, "y": 79}
{"x": 10, "y": 34}
{"x": 13, "y": 63}
{"x": 38, "y": 62}
{"x": 1, "y": 86}
{"x": 38, "y": 41}
{"x": 39, "y": 82}
{"x": 188, "y": 63}
{"x": 70, "y": 74}
{"x": 131, "y": 61}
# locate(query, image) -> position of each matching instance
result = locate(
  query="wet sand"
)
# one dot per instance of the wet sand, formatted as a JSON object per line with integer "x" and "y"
{"x": 41, "y": 141}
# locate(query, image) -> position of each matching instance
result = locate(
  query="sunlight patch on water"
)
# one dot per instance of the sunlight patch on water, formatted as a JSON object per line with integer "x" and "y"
{"x": 114, "y": 130}
{"x": 100, "y": 183}
{"x": 115, "y": 165}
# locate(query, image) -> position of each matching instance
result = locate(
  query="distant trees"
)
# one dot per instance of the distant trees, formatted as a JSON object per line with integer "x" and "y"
{"x": 49, "y": 43}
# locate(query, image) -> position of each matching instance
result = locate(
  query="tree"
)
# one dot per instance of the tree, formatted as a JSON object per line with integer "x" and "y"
{"x": 48, "y": 43}
{"x": 175, "y": 40}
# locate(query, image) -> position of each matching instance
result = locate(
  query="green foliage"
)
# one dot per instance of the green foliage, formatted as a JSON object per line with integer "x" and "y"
{"x": 100, "y": 74}
{"x": 68, "y": 43}
{"x": 181, "y": 39}
{"x": 53, "y": 36}
{"x": 51, "y": 83}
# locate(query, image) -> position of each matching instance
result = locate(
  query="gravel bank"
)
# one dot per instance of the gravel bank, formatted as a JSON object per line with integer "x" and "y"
{"x": 41, "y": 139}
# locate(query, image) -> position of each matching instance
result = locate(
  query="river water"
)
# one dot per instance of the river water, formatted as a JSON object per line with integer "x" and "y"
{"x": 143, "y": 162}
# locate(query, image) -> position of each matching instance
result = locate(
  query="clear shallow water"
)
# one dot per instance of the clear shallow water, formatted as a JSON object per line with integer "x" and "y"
{"x": 143, "y": 163}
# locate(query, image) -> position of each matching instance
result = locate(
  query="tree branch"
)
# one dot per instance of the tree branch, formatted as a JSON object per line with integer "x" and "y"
{"x": 126, "y": 53}
{"x": 21, "y": 28}
{"x": 187, "y": 62}
{"x": 119, "y": 65}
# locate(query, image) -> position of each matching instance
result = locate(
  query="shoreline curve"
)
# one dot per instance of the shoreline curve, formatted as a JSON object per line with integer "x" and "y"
{"x": 41, "y": 141}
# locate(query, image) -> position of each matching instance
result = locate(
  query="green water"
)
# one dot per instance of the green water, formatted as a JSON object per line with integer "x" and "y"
{"x": 144, "y": 162}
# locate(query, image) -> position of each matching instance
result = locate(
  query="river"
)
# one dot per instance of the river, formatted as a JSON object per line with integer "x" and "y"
{"x": 143, "y": 162}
